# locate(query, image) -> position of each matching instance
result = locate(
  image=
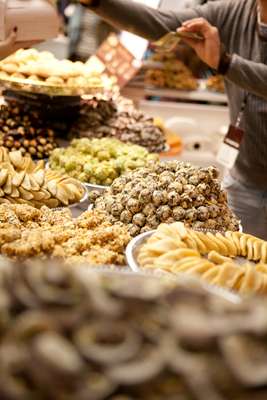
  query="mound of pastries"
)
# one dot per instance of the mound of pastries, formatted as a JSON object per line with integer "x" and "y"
{"x": 68, "y": 333}
{"x": 99, "y": 161}
{"x": 22, "y": 128}
{"x": 42, "y": 66}
{"x": 26, "y": 182}
{"x": 211, "y": 256}
{"x": 167, "y": 192}
{"x": 216, "y": 83}
{"x": 172, "y": 74}
{"x": 117, "y": 118}
{"x": 26, "y": 232}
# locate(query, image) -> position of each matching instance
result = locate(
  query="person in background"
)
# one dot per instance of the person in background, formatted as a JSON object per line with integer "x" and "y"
{"x": 234, "y": 45}
{"x": 86, "y": 32}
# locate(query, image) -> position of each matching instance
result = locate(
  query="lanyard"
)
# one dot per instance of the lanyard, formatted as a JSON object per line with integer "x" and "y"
{"x": 242, "y": 110}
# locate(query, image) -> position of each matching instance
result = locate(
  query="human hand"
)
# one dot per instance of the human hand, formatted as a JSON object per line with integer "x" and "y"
{"x": 9, "y": 45}
{"x": 209, "y": 49}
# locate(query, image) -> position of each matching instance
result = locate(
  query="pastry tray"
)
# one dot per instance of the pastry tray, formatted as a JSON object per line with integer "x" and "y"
{"x": 98, "y": 188}
{"x": 131, "y": 256}
{"x": 32, "y": 86}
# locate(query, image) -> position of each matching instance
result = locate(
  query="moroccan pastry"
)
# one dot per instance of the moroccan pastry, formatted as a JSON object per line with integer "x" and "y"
{"x": 70, "y": 333}
{"x": 211, "y": 256}
{"x": 26, "y": 232}
{"x": 24, "y": 182}
{"x": 119, "y": 118}
{"x": 99, "y": 161}
{"x": 24, "y": 128}
{"x": 168, "y": 192}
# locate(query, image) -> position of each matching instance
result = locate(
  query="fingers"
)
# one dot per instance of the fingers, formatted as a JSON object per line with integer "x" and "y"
{"x": 10, "y": 40}
{"x": 198, "y": 25}
{"x": 9, "y": 45}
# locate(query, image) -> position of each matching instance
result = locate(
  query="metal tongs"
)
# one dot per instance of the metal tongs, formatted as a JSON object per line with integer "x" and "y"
{"x": 168, "y": 42}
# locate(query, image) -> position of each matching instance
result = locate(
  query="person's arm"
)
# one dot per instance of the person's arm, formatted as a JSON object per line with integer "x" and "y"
{"x": 248, "y": 75}
{"x": 152, "y": 23}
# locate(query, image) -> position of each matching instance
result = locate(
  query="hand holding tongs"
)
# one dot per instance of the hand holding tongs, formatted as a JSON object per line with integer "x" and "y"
{"x": 168, "y": 42}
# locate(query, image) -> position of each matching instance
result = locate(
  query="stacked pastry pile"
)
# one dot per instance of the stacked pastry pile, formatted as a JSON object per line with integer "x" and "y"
{"x": 25, "y": 182}
{"x": 167, "y": 192}
{"x": 99, "y": 161}
{"x": 22, "y": 128}
{"x": 68, "y": 334}
{"x": 119, "y": 119}
{"x": 43, "y": 67}
{"x": 26, "y": 232}
{"x": 213, "y": 257}
{"x": 172, "y": 74}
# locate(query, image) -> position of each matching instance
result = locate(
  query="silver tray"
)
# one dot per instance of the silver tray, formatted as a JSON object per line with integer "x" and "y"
{"x": 32, "y": 86}
{"x": 131, "y": 256}
{"x": 98, "y": 188}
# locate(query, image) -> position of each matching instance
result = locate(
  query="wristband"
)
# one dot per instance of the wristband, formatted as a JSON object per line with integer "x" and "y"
{"x": 224, "y": 64}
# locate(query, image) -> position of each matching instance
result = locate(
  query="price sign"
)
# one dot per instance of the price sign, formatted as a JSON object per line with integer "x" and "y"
{"x": 117, "y": 60}
{"x": 121, "y": 56}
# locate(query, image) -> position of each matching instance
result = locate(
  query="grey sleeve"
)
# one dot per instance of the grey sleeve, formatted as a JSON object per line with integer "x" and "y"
{"x": 249, "y": 75}
{"x": 153, "y": 24}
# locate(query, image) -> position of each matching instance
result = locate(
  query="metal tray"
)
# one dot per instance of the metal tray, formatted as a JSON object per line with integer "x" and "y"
{"x": 31, "y": 86}
{"x": 98, "y": 188}
{"x": 131, "y": 256}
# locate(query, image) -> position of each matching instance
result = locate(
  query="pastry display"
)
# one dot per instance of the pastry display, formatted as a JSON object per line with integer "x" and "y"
{"x": 216, "y": 83}
{"x": 22, "y": 128}
{"x": 68, "y": 333}
{"x": 26, "y": 232}
{"x": 99, "y": 161}
{"x": 26, "y": 182}
{"x": 211, "y": 256}
{"x": 172, "y": 74}
{"x": 43, "y": 69}
{"x": 167, "y": 192}
{"x": 119, "y": 119}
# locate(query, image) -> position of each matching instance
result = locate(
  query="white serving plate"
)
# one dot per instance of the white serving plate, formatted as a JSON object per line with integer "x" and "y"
{"x": 131, "y": 256}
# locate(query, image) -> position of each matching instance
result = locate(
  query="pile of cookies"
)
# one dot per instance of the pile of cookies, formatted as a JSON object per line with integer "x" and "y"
{"x": 119, "y": 118}
{"x": 211, "y": 256}
{"x": 167, "y": 191}
{"x": 99, "y": 161}
{"x": 23, "y": 128}
{"x": 172, "y": 74}
{"x": 69, "y": 333}
{"x": 26, "y": 232}
{"x": 43, "y": 67}
{"x": 26, "y": 182}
